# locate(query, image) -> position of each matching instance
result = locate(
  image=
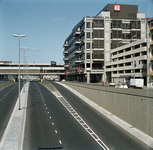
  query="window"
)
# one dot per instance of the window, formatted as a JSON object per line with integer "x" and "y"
{"x": 98, "y": 65}
{"x": 88, "y": 24}
{"x": 98, "y": 23}
{"x": 116, "y": 23}
{"x": 88, "y": 55}
{"x": 116, "y": 34}
{"x": 88, "y": 34}
{"x": 133, "y": 24}
{"x": 98, "y": 55}
{"x": 125, "y": 36}
{"x": 98, "y": 33}
{"x": 98, "y": 43}
{"x": 88, "y": 45}
{"x": 138, "y": 33}
{"x": 138, "y": 25}
{"x": 126, "y": 25}
{"x": 88, "y": 65}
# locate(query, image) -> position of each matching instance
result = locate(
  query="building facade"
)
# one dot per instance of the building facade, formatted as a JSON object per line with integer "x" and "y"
{"x": 150, "y": 53}
{"x": 128, "y": 61}
{"x": 87, "y": 48}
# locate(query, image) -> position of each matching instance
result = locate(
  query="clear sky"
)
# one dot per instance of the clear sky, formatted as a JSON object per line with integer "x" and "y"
{"x": 47, "y": 23}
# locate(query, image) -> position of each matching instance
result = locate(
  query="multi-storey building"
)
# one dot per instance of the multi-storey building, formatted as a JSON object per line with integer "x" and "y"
{"x": 128, "y": 61}
{"x": 87, "y": 48}
{"x": 150, "y": 53}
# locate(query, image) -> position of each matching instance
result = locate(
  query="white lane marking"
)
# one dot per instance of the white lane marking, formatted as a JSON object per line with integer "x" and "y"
{"x": 55, "y": 131}
{"x": 52, "y": 123}
{"x": 80, "y": 120}
{"x": 60, "y": 141}
{"x": 50, "y": 117}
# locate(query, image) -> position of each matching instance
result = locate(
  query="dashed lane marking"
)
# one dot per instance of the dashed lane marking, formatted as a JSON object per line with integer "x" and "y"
{"x": 80, "y": 120}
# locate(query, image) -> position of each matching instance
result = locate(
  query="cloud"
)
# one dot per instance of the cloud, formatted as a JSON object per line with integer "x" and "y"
{"x": 58, "y": 19}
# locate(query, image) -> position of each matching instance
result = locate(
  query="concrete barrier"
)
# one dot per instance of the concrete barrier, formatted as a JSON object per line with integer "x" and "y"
{"x": 134, "y": 106}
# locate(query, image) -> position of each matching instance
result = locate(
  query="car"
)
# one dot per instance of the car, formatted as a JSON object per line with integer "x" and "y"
{"x": 63, "y": 79}
{"x": 119, "y": 85}
{"x": 112, "y": 84}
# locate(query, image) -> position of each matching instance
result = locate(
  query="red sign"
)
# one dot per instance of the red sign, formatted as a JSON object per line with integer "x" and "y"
{"x": 117, "y": 7}
{"x": 66, "y": 71}
{"x": 78, "y": 69}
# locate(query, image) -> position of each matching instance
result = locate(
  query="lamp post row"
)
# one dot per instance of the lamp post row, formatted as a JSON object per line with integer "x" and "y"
{"x": 19, "y": 36}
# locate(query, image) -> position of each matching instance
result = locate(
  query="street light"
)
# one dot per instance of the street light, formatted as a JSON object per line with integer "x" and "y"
{"x": 15, "y": 35}
{"x": 133, "y": 56}
{"x": 24, "y": 63}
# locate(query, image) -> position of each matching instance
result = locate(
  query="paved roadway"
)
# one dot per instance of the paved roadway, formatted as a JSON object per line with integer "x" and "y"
{"x": 8, "y": 97}
{"x": 50, "y": 125}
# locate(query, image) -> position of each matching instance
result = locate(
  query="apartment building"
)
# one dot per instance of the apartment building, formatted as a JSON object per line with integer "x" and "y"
{"x": 150, "y": 53}
{"x": 128, "y": 61}
{"x": 88, "y": 47}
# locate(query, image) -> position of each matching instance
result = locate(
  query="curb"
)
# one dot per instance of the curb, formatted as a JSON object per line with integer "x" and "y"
{"x": 129, "y": 128}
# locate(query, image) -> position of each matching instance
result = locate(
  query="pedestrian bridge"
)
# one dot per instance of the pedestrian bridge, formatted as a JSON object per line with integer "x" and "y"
{"x": 32, "y": 69}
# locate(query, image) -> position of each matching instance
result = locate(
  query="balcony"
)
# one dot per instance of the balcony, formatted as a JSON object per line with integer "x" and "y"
{"x": 65, "y": 52}
{"x": 77, "y": 41}
{"x": 66, "y": 65}
{"x": 66, "y": 44}
{"x": 79, "y": 60}
{"x": 77, "y": 33}
{"x": 66, "y": 58}
{"x": 78, "y": 51}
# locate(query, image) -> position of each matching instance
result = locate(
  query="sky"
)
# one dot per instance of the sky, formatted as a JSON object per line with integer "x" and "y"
{"x": 47, "y": 24}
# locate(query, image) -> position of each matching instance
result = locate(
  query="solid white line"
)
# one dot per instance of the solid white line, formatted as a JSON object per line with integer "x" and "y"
{"x": 92, "y": 134}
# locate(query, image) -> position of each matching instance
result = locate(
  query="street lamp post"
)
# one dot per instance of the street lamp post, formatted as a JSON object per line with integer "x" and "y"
{"x": 24, "y": 64}
{"x": 133, "y": 57}
{"x": 15, "y": 35}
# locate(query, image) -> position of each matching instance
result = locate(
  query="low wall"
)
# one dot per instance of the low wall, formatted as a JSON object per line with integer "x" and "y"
{"x": 135, "y": 106}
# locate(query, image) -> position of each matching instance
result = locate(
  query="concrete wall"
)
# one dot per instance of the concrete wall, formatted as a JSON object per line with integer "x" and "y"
{"x": 135, "y": 106}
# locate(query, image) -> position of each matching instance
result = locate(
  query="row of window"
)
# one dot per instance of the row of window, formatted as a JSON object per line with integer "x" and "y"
{"x": 115, "y": 24}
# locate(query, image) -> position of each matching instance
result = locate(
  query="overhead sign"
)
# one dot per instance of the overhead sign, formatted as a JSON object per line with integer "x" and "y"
{"x": 117, "y": 7}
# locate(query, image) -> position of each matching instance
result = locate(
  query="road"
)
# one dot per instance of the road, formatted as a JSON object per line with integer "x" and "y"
{"x": 69, "y": 123}
{"x": 8, "y": 97}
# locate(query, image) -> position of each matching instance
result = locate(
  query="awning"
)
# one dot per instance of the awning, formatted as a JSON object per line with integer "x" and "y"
{"x": 151, "y": 42}
{"x": 151, "y": 58}
{"x": 151, "y": 73}
{"x": 151, "y": 28}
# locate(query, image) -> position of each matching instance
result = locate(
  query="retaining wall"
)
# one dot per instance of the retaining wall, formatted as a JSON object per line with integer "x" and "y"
{"x": 135, "y": 106}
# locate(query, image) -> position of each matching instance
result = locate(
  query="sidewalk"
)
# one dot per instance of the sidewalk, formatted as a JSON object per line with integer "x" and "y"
{"x": 13, "y": 136}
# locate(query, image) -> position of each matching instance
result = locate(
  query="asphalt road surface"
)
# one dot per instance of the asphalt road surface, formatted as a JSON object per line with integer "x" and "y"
{"x": 8, "y": 97}
{"x": 69, "y": 123}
